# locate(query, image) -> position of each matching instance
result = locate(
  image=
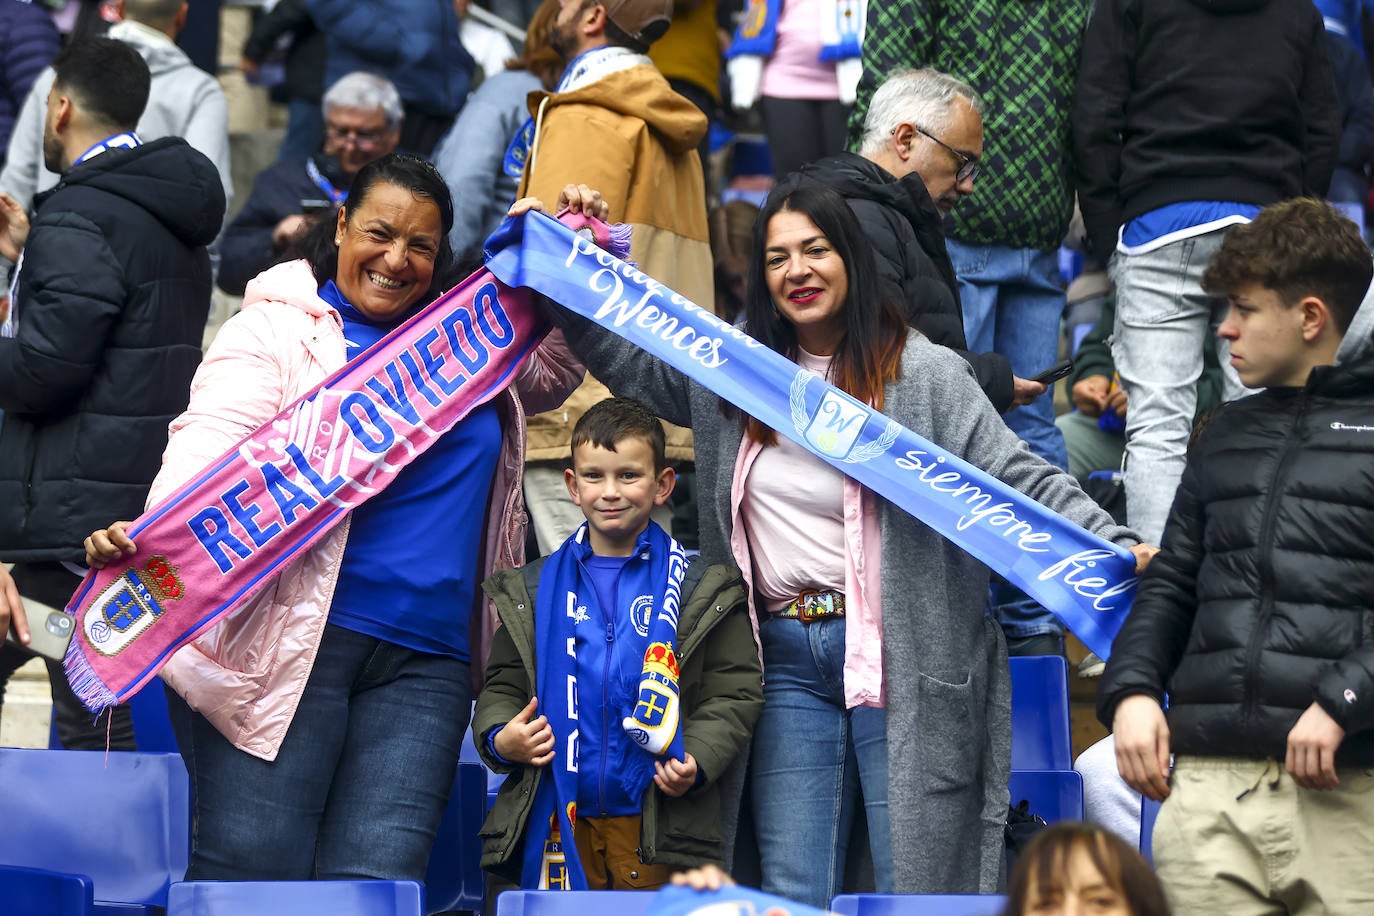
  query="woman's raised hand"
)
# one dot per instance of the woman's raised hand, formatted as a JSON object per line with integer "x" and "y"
{"x": 575, "y": 197}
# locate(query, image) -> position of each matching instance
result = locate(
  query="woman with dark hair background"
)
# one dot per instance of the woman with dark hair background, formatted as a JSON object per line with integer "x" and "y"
{"x": 1077, "y": 869}
{"x": 884, "y": 679}
{"x": 321, "y": 723}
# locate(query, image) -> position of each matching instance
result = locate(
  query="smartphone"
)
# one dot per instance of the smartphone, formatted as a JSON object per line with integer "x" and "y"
{"x": 316, "y": 206}
{"x": 1053, "y": 373}
{"x": 49, "y": 630}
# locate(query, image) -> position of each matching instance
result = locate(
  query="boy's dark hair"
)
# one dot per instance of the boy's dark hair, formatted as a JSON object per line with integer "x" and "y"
{"x": 1301, "y": 247}
{"x": 108, "y": 79}
{"x": 614, "y": 420}
{"x": 1043, "y": 867}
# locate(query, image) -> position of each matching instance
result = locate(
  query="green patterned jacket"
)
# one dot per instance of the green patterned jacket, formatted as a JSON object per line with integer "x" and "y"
{"x": 1022, "y": 58}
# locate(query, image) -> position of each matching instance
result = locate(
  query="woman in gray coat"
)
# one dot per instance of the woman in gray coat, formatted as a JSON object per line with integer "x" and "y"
{"x": 885, "y": 680}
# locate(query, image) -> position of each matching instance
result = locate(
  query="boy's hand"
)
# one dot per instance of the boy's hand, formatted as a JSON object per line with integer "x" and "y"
{"x": 1312, "y": 749}
{"x": 525, "y": 739}
{"x": 706, "y": 878}
{"x": 675, "y": 777}
{"x": 107, "y": 545}
{"x": 1142, "y": 745}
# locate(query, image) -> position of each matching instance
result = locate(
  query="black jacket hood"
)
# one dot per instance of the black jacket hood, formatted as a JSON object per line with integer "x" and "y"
{"x": 857, "y": 178}
{"x": 175, "y": 183}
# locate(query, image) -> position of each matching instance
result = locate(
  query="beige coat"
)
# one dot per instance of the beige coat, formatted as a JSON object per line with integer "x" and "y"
{"x": 634, "y": 139}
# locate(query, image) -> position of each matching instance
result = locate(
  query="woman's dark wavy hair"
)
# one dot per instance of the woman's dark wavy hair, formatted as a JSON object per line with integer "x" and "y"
{"x": 870, "y": 352}
{"x": 1042, "y": 868}
{"x": 402, "y": 170}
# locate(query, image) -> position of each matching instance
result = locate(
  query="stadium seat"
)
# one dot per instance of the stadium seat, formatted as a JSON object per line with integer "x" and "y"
{"x": 1149, "y": 810}
{"x": 292, "y": 898}
{"x": 1055, "y": 795}
{"x": 573, "y": 903}
{"x": 1040, "y": 737}
{"x": 121, "y": 819}
{"x": 152, "y": 727}
{"x": 494, "y": 780}
{"x": 918, "y": 905}
{"x": 36, "y": 892}
{"x": 454, "y": 879}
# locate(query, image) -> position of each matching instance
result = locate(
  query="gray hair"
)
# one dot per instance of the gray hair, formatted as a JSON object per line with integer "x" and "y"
{"x": 920, "y": 97}
{"x": 364, "y": 90}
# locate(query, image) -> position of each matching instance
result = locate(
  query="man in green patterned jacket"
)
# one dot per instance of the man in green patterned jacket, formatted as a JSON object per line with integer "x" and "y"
{"x": 1022, "y": 58}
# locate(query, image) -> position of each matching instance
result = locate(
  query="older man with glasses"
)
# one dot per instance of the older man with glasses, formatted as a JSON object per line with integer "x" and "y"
{"x": 362, "y": 122}
{"x": 921, "y": 150}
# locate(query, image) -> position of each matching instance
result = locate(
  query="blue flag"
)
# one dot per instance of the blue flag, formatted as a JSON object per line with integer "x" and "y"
{"x": 1088, "y": 583}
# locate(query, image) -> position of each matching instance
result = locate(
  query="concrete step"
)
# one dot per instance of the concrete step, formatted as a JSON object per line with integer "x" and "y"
{"x": 27, "y": 711}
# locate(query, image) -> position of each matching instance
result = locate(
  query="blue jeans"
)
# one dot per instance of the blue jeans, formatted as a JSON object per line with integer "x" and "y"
{"x": 1164, "y": 322}
{"x": 1013, "y": 301}
{"x": 811, "y": 759}
{"x": 361, "y": 781}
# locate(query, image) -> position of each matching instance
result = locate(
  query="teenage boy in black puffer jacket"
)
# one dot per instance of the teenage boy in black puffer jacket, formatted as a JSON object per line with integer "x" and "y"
{"x": 1255, "y": 617}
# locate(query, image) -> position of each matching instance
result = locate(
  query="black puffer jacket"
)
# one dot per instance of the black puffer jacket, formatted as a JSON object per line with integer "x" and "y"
{"x": 111, "y": 306}
{"x": 1259, "y": 602}
{"x": 901, "y": 221}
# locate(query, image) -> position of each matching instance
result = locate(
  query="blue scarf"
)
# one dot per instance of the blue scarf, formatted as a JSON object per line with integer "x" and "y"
{"x": 565, "y": 616}
{"x": 1085, "y": 581}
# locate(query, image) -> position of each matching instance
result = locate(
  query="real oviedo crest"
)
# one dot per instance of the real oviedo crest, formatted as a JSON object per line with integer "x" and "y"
{"x": 130, "y": 604}
{"x": 834, "y": 427}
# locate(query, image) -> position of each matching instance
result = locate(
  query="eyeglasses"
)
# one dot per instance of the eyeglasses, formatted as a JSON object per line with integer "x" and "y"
{"x": 363, "y": 139}
{"x": 969, "y": 168}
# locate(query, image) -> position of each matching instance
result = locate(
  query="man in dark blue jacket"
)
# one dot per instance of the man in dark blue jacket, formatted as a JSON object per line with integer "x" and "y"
{"x": 28, "y": 43}
{"x": 413, "y": 43}
{"x": 108, "y": 311}
{"x": 1255, "y": 616}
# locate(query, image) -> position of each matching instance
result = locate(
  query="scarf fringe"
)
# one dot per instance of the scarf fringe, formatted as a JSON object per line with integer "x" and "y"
{"x": 85, "y": 683}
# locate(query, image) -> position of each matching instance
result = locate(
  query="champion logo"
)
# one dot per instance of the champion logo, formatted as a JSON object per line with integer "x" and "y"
{"x": 1338, "y": 425}
{"x": 1349, "y": 695}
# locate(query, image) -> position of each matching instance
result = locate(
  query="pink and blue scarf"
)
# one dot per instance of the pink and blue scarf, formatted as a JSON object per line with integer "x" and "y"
{"x": 209, "y": 547}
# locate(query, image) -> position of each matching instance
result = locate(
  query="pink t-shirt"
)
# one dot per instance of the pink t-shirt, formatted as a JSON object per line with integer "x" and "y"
{"x": 794, "y": 515}
{"x": 860, "y": 556}
{"x": 795, "y": 70}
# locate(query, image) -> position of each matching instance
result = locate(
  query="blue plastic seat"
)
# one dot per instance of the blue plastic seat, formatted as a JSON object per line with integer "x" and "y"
{"x": 152, "y": 726}
{"x": 292, "y": 898}
{"x": 121, "y": 819}
{"x": 1055, "y": 795}
{"x": 454, "y": 880}
{"x": 494, "y": 780}
{"x": 37, "y": 892}
{"x": 1149, "y": 811}
{"x": 573, "y": 903}
{"x": 918, "y": 905}
{"x": 1040, "y": 736}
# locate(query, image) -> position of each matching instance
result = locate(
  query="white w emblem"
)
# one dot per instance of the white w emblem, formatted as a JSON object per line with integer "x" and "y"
{"x": 835, "y": 427}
